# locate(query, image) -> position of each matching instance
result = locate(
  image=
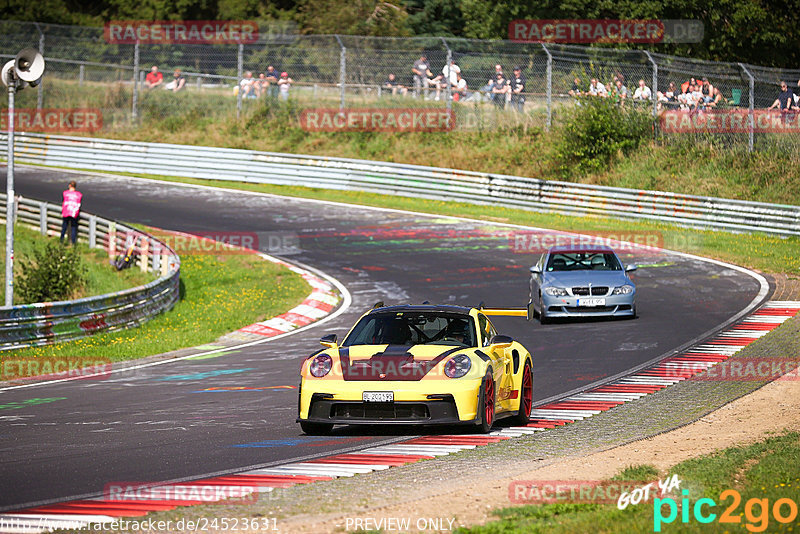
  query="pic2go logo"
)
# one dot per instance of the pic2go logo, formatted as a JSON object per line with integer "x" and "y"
{"x": 756, "y": 511}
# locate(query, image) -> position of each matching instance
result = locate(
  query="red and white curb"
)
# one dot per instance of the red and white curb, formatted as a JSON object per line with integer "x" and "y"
{"x": 322, "y": 300}
{"x": 75, "y": 514}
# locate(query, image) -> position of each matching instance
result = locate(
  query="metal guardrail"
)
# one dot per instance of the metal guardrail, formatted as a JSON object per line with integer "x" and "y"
{"x": 45, "y": 323}
{"x": 407, "y": 180}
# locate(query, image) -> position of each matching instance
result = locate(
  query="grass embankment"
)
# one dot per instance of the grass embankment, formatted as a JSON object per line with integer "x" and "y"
{"x": 219, "y": 294}
{"x": 763, "y": 475}
{"x": 101, "y": 277}
{"x": 688, "y": 165}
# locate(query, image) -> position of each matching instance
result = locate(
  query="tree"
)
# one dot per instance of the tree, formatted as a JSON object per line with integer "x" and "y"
{"x": 355, "y": 17}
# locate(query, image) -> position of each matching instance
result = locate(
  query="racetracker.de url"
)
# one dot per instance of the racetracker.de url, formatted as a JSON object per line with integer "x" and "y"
{"x": 200, "y": 524}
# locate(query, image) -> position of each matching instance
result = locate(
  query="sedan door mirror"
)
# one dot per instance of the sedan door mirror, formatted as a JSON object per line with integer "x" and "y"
{"x": 536, "y": 269}
{"x": 501, "y": 342}
{"x": 630, "y": 268}
{"x": 329, "y": 341}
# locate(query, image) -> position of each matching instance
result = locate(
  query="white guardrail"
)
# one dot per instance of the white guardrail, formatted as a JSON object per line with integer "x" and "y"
{"x": 407, "y": 180}
{"x": 44, "y": 323}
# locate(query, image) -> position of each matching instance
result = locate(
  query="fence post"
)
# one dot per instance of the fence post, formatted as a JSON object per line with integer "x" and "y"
{"x": 239, "y": 74}
{"x": 549, "y": 86}
{"x": 342, "y": 70}
{"x": 80, "y": 75}
{"x": 449, "y": 95}
{"x": 92, "y": 231}
{"x": 655, "y": 82}
{"x": 43, "y": 218}
{"x": 135, "y": 108}
{"x": 751, "y": 125}
{"x": 40, "y": 93}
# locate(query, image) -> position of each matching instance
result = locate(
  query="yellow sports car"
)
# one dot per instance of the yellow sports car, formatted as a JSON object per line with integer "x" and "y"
{"x": 418, "y": 364}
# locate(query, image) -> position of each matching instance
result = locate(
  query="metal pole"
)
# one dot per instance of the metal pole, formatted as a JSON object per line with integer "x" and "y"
{"x": 342, "y": 71}
{"x": 447, "y": 81}
{"x": 135, "y": 105}
{"x": 549, "y": 87}
{"x": 654, "y": 92}
{"x": 40, "y": 89}
{"x": 239, "y": 74}
{"x": 751, "y": 126}
{"x": 81, "y": 74}
{"x": 9, "y": 300}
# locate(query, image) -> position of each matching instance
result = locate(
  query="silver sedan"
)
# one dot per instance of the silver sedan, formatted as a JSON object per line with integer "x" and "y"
{"x": 581, "y": 282}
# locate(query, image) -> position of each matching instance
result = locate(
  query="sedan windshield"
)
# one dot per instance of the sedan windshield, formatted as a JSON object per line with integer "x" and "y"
{"x": 583, "y": 261}
{"x": 413, "y": 328}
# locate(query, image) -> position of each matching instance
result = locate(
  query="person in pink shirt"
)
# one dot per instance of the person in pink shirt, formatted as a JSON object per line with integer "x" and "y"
{"x": 70, "y": 211}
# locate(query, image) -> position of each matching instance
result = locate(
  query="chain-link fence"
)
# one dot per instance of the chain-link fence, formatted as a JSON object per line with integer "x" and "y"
{"x": 329, "y": 71}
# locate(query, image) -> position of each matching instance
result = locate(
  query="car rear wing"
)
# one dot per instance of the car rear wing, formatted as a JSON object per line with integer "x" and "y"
{"x": 510, "y": 312}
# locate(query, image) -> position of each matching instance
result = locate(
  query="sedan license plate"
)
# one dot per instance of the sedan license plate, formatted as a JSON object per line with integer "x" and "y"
{"x": 378, "y": 396}
{"x": 591, "y": 302}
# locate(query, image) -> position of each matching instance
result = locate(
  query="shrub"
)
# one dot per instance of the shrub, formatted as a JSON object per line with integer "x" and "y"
{"x": 596, "y": 130}
{"x": 54, "y": 272}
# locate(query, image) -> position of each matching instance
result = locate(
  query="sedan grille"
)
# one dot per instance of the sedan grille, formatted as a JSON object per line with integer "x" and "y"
{"x": 585, "y": 291}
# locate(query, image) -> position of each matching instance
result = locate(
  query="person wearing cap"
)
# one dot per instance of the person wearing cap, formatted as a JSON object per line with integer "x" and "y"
{"x": 284, "y": 84}
{"x": 517, "y": 88}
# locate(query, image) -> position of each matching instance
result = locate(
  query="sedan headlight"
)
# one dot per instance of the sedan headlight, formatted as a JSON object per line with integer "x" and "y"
{"x": 556, "y": 291}
{"x": 320, "y": 366}
{"x": 622, "y": 290}
{"x": 457, "y": 366}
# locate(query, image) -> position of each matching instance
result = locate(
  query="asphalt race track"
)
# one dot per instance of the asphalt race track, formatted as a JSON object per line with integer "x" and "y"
{"x": 160, "y": 423}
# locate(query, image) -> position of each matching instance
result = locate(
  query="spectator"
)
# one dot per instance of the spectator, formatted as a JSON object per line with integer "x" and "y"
{"x": 620, "y": 92}
{"x": 261, "y": 84}
{"x": 460, "y": 89}
{"x": 685, "y": 100}
{"x": 785, "y": 100}
{"x": 70, "y": 211}
{"x": 668, "y": 97}
{"x": 597, "y": 89}
{"x": 707, "y": 90}
{"x": 178, "y": 82}
{"x": 576, "y": 88}
{"x": 284, "y": 84}
{"x": 272, "y": 81}
{"x": 685, "y": 85}
{"x": 697, "y": 97}
{"x": 717, "y": 98}
{"x": 248, "y": 86}
{"x": 517, "y": 89}
{"x": 642, "y": 92}
{"x": 450, "y": 72}
{"x": 154, "y": 78}
{"x": 498, "y": 69}
{"x": 422, "y": 74}
{"x": 392, "y": 85}
{"x": 500, "y": 88}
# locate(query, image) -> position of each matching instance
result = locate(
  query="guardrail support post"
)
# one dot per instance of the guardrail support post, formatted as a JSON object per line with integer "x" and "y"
{"x": 752, "y": 124}
{"x": 156, "y": 256}
{"x": 342, "y": 71}
{"x": 144, "y": 255}
{"x": 549, "y": 87}
{"x": 43, "y": 218}
{"x": 92, "y": 231}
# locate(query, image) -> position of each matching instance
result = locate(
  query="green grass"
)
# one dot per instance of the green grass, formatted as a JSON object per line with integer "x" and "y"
{"x": 219, "y": 294}
{"x": 765, "y": 470}
{"x": 102, "y": 278}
